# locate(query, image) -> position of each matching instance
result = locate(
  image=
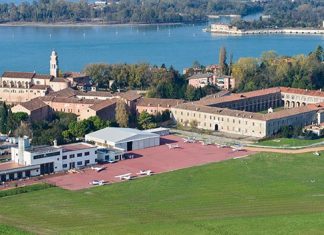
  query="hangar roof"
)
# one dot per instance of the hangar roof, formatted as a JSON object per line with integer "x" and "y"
{"x": 120, "y": 135}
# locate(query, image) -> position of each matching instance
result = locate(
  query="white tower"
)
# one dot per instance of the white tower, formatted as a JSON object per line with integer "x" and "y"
{"x": 54, "y": 64}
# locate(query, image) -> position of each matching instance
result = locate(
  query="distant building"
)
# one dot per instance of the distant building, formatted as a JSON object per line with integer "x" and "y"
{"x": 205, "y": 79}
{"x": 17, "y": 87}
{"x": 200, "y": 80}
{"x": 155, "y": 105}
{"x": 36, "y": 109}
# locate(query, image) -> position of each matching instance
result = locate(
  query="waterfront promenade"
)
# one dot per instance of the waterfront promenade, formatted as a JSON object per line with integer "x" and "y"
{"x": 289, "y": 31}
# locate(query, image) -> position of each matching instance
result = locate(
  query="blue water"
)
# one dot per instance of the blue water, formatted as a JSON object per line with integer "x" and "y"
{"x": 28, "y": 48}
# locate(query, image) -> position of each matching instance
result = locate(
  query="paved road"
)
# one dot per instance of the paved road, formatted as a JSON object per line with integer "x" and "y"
{"x": 219, "y": 138}
{"x": 293, "y": 151}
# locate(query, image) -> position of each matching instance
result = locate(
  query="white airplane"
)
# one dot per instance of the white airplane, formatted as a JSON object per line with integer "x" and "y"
{"x": 222, "y": 146}
{"x": 316, "y": 153}
{"x": 145, "y": 172}
{"x": 173, "y": 146}
{"x": 206, "y": 142}
{"x": 237, "y": 148}
{"x": 127, "y": 176}
{"x": 98, "y": 169}
{"x": 189, "y": 140}
{"x": 97, "y": 182}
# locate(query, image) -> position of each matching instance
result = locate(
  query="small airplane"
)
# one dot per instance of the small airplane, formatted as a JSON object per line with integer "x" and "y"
{"x": 127, "y": 176}
{"x": 189, "y": 140}
{"x": 237, "y": 148}
{"x": 173, "y": 146}
{"x": 145, "y": 172}
{"x": 97, "y": 182}
{"x": 98, "y": 169}
{"x": 316, "y": 153}
{"x": 206, "y": 142}
{"x": 222, "y": 146}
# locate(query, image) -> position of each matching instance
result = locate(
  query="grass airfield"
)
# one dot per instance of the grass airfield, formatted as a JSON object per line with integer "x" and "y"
{"x": 261, "y": 194}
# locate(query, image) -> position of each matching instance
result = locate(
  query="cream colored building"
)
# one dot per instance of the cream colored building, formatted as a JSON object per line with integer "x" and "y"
{"x": 17, "y": 87}
{"x": 237, "y": 113}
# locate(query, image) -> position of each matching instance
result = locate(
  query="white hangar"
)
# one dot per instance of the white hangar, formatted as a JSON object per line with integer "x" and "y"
{"x": 125, "y": 138}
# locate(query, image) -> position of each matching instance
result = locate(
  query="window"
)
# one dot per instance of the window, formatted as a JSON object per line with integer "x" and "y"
{"x": 86, "y": 154}
{"x": 64, "y": 165}
{"x": 79, "y": 155}
{"x": 72, "y": 156}
{"x": 79, "y": 163}
{"x": 64, "y": 157}
{"x": 86, "y": 162}
{"x": 39, "y": 156}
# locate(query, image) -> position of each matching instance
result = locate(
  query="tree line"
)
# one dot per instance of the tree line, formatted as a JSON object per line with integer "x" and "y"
{"x": 125, "y": 11}
{"x": 159, "y": 82}
{"x": 287, "y": 14}
{"x": 301, "y": 71}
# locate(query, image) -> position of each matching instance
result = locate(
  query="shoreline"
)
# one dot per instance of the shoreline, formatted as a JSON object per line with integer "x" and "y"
{"x": 81, "y": 24}
{"x": 283, "y": 31}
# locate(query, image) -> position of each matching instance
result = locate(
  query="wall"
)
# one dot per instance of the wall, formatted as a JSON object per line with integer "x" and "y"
{"x": 222, "y": 123}
{"x": 18, "y": 95}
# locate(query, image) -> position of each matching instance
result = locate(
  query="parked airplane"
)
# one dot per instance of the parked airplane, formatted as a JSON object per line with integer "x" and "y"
{"x": 237, "y": 148}
{"x": 316, "y": 153}
{"x": 124, "y": 176}
{"x": 98, "y": 169}
{"x": 145, "y": 172}
{"x": 222, "y": 146}
{"x": 206, "y": 142}
{"x": 189, "y": 140}
{"x": 173, "y": 146}
{"x": 97, "y": 182}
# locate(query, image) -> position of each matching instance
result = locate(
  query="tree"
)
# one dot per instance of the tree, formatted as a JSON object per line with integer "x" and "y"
{"x": 222, "y": 60}
{"x": 23, "y": 130}
{"x": 145, "y": 121}
{"x": 3, "y": 118}
{"x": 122, "y": 114}
{"x": 190, "y": 93}
{"x": 193, "y": 124}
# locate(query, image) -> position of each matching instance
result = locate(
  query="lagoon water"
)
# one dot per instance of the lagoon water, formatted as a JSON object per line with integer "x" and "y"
{"x": 28, "y": 48}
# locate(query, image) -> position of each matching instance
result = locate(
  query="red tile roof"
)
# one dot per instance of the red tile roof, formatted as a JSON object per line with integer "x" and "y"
{"x": 318, "y": 93}
{"x": 10, "y": 74}
{"x": 33, "y": 104}
{"x": 238, "y": 96}
{"x": 156, "y": 102}
{"x": 103, "y": 104}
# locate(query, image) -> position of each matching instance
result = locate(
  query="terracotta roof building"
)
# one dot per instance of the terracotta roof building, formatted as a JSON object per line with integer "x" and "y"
{"x": 240, "y": 113}
{"x": 156, "y": 105}
{"x": 36, "y": 109}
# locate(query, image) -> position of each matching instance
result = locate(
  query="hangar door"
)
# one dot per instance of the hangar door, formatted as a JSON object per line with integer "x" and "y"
{"x": 129, "y": 146}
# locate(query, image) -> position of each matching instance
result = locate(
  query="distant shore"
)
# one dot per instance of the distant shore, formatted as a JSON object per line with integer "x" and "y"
{"x": 77, "y": 24}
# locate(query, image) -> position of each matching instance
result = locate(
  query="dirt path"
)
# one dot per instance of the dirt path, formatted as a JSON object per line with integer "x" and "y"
{"x": 273, "y": 150}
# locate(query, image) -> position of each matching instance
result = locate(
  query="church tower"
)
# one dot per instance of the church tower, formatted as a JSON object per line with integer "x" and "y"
{"x": 54, "y": 64}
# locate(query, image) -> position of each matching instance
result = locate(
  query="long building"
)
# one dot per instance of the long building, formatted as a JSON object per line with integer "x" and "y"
{"x": 27, "y": 161}
{"x": 240, "y": 113}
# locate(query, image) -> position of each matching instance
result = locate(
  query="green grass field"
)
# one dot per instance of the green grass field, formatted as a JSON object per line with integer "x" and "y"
{"x": 8, "y": 230}
{"x": 286, "y": 142}
{"x": 261, "y": 194}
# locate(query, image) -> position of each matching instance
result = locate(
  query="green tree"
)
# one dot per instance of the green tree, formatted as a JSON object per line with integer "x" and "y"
{"x": 122, "y": 114}
{"x": 145, "y": 121}
{"x": 3, "y": 118}
{"x": 223, "y": 59}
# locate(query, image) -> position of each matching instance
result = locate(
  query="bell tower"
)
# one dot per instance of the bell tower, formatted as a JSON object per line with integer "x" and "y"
{"x": 54, "y": 64}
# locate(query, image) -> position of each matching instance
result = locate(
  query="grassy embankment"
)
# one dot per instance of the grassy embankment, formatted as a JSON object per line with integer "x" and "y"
{"x": 261, "y": 194}
{"x": 289, "y": 142}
